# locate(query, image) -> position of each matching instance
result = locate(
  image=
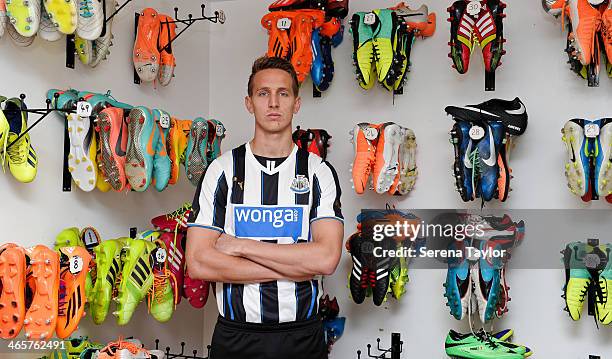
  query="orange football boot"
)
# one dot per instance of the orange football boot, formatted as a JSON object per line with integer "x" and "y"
{"x": 300, "y": 37}
{"x": 365, "y": 154}
{"x": 146, "y": 54}
{"x": 113, "y": 145}
{"x": 585, "y": 21}
{"x": 386, "y": 166}
{"x": 74, "y": 265}
{"x": 12, "y": 290}
{"x": 394, "y": 185}
{"x": 419, "y": 20}
{"x": 331, "y": 27}
{"x": 176, "y": 145}
{"x": 606, "y": 31}
{"x": 166, "y": 57}
{"x": 278, "y": 41}
{"x": 43, "y": 282}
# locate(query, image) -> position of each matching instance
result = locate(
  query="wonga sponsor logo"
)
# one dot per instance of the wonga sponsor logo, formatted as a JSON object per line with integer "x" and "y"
{"x": 268, "y": 221}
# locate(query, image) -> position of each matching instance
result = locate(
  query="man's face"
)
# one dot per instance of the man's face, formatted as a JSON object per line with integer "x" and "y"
{"x": 273, "y": 102}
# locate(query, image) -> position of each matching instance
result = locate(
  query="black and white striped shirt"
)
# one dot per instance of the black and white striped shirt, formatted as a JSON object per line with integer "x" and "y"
{"x": 276, "y": 204}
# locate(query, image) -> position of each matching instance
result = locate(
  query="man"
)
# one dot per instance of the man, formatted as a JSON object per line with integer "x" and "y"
{"x": 266, "y": 225}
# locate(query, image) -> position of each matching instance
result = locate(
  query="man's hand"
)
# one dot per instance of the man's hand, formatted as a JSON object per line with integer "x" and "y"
{"x": 229, "y": 245}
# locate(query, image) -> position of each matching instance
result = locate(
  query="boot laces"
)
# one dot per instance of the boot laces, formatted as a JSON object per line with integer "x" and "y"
{"x": 18, "y": 152}
{"x": 86, "y": 8}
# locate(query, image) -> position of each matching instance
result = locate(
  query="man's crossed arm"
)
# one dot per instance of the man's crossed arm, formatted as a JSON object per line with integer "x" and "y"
{"x": 219, "y": 257}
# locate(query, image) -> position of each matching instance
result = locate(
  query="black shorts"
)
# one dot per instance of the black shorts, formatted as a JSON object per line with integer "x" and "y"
{"x": 295, "y": 340}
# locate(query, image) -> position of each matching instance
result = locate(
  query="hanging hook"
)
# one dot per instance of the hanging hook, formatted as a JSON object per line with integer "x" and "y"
{"x": 116, "y": 11}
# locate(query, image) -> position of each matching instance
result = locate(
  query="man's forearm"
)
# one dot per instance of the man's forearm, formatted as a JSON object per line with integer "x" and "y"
{"x": 220, "y": 267}
{"x": 296, "y": 260}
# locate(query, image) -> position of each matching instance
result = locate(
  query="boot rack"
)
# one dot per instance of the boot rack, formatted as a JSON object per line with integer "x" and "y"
{"x": 70, "y": 45}
{"x": 43, "y": 112}
{"x": 395, "y": 350}
{"x": 182, "y": 354}
{"x": 219, "y": 17}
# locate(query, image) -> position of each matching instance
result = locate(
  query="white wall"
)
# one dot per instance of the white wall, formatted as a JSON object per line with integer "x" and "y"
{"x": 34, "y": 213}
{"x": 534, "y": 69}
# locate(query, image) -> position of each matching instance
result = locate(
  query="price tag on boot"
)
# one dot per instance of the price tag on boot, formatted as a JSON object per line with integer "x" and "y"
{"x": 369, "y": 18}
{"x": 591, "y": 130}
{"x": 474, "y": 7}
{"x": 284, "y": 23}
{"x": 370, "y": 133}
{"x": 164, "y": 120}
{"x": 76, "y": 264}
{"x": 476, "y": 132}
{"x": 83, "y": 109}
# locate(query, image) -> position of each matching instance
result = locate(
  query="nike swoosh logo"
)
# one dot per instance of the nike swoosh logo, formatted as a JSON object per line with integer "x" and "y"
{"x": 520, "y": 111}
{"x": 573, "y": 154}
{"x": 466, "y": 158}
{"x": 491, "y": 160}
{"x": 479, "y": 111}
{"x": 118, "y": 149}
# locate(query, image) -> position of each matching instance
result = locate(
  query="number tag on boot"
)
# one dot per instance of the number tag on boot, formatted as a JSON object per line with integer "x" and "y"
{"x": 476, "y": 132}
{"x": 370, "y": 133}
{"x": 474, "y": 7}
{"x": 164, "y": 120}
{"x": 160, "y": 256}
{"x": 591, "y": 130}
{"x": 369, "y": 18}
{"x": 284, "y": 23}
{"x": 220, "y": 130}
{"x": 83, "y": 109}
{"x": 76, "y": 264}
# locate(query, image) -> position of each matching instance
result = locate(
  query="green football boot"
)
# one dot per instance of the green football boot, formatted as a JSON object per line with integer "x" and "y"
{"x": 108, "y": 265}
{"x": 470, "y": 346}
{"x": 385, "y": 32}
{"x": 162, "y": 297}
{"x": 399, "y": 278}
{"x": 69, "y": 237}
{"x": 363, "y": 54}
{"x": 604, "y": 305}
{"x": 136, "y": 278}
{"x": 503, "y": 338}
{"x": 577, "y": 277}
{"x": 74, "y": 348}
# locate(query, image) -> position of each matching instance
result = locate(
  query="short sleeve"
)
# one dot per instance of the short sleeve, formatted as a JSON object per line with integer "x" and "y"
{"x": 326, "y": 194}
{"x": 210, "y": 200}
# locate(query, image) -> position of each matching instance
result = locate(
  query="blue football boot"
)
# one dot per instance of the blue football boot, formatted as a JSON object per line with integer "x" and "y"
{"x": 66, "y": 99}
{"x": 577, "y": 167}
{"x": 603, "y": 163}
{"x": 488, "y": 150}
{"x": 316, "y": 70}
{"x": 486, "y": 277}
{"x": 338, "y": 37}
{"x": 458, "y": 286}
{"x": 460, "y": 138}
{"x": 161, "y": 160}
